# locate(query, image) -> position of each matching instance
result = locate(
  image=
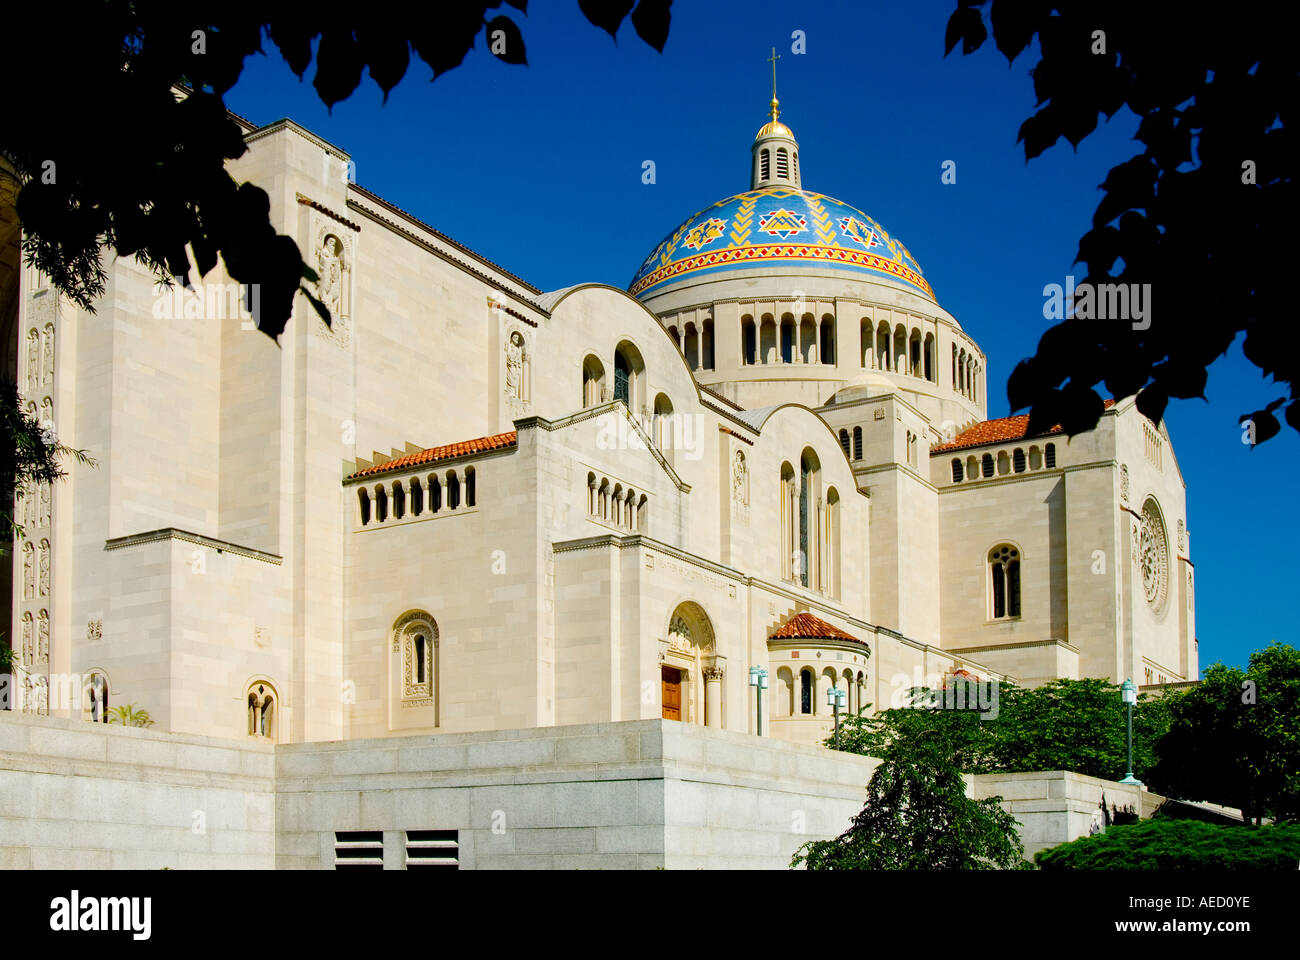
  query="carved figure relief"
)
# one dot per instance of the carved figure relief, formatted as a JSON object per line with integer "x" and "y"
{"x": 516, "y": 360}
{"x": 740, "y": 478}
{"x": 43, "y": 637}
{"x": 33, "y": 361}
{"x": 47, "y": 374}
{"x": 44, "y": 587}
{"x": 29, "y": 571}
{"x": 1123, "y": 482}
{"x": 28, "y": 649}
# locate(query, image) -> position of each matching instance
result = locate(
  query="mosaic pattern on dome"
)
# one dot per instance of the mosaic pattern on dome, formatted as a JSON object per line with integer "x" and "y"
{"x": 761, "y": 228}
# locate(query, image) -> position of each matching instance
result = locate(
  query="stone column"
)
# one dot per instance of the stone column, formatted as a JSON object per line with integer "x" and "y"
{"x": 713, "y": 697}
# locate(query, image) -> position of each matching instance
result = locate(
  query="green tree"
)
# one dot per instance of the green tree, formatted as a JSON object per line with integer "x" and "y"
{"x": 1076, "y": 725}
{"x": 1234, "y": 738}
{"x": 1213, "y": 94}
{"x": 30, "y": 454}
{"x": 1178, "y": 845}
{"x": 918, "y": 817}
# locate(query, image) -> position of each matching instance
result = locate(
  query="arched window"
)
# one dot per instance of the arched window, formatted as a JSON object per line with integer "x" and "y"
{"x": 782, "y": 164}
{"x": 1004, "y": 463}
{"x": 929, "y": 357}
{"x": 591, "y": 495}
{"x": 788, "y": 511}
{"x": 784, "y": 700}
{"x": 767, "y": 340}
{"x": 807, "y": 702}
{"x": 629, "y": 376}
{"x": 956, "y": 470}
{"x": 381, "y": 504}
{"x": 1035, "y": 458}
{"x": 1018, "y": 460}
{"x": 844, "y": 442}
{"x": 765, "y": 164}
{"x": 1050, "y": 456}
{"x": 363, "y": 503}
{"x": 94, "y": 705}
{"x": 828, "y": 339}
{"x": 399, "y": 500}
{"x": 417, "y": 497}
{"x": 1004, "y": 582}
{"x": 986, "y": 464}
{"x": 453, "y": 490}
{"x": 831, "y": 565}
{"x": 788, "y": 349}
{"x": 261, "y": 710}
{"x": 593, "y": 381}
{"x": 471, "y": 495}
{"x": 435, "y": 493}
{"x": 857, "y": 443}
{"x": 664, "y": 425}
{"x": 622, "y": 379}
{"x": 972, "y": 468}
{"x": 415, "y": 642}
{"x": 810, "y": 506}
{"x": 706, "y": 343}
{"x": 748, "y": 341}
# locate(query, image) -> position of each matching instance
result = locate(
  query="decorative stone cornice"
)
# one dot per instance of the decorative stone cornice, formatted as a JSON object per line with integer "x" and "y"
{"x": 609, "y": 406}
{"x": 172, "y": 533}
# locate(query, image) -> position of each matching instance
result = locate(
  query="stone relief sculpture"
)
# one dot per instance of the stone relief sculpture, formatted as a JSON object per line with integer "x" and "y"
{"x": 44, "y": 587}
{"x": 1154, "y": 555}
{"x": 1123, "y": 482}
{"x": 47, "y": 495}
{"x": 33, "y": 360}
{"x": 94, "y": 630}
{"x": 29, "y": 571}
{"x": 47, "y": 374}
{"x": 43, "y": 637}
{"x": 1181, "y": 532}
{"x": 330, "y": 261}
{"x": 740, "y": 478}
{"x": 27, "y": 649}
{"x": 515, "y": 360}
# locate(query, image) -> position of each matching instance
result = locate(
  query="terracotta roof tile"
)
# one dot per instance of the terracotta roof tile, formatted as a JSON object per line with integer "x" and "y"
{"x": 804, "y": 626}
{"x": 445, "y": 452}
{"x": 996, "y": 431}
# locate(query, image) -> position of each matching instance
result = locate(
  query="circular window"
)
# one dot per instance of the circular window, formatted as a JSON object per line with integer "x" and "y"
{"x": 1153, "y": 553}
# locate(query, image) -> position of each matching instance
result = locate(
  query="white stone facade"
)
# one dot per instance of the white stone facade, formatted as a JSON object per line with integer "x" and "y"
{"x": 236, "y": 563}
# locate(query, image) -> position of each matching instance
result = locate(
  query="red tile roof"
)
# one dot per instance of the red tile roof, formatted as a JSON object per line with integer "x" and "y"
{"x": 804, "y": 626}
{"x": 997, "y": 431}
{"x": 445, "y": 452}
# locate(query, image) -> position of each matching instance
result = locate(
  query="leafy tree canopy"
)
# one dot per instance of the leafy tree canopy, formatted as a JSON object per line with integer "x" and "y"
{"x": 1202, "y": 213}
{"x": 1076, "y": 725}
{"x": 1178, "y": 845}
{"x": 1234, "y": 739}
{"x": 918, "y": 817}
{"x": 147, "y": 179}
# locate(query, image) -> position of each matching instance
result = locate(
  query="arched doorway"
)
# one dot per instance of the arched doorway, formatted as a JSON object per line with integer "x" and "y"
{"x": 691, "y": 672}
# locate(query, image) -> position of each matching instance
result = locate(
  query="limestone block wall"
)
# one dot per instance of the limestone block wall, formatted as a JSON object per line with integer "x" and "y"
{"x": 634, "y": 795}
{"x": 1056, "y": 806}
{"x": 86, "y": 796}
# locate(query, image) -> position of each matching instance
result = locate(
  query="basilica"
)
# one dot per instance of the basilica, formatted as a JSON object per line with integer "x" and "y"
{"x": 755, "y": 488}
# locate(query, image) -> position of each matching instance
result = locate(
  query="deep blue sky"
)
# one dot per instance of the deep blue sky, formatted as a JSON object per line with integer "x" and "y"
{"x": 539, "y": 168}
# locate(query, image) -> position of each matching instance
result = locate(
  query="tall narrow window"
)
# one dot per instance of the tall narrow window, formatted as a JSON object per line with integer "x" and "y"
{"x": 1049, "y": 456}
{"x": 453, "y": 490}
{"x": 1018, "y": 460}
{"x": 622, "y": 378}
{"x": 1004, "y": 582}
{"x": 956, "y": 470}
{"x": 806, "y": 692}
{"x": 986, "y": 465}
{"x": 421, "y": 654}
{"x": 471, "y": 484}
{"x": 363, "y": 502}
{"x": 857, "y": 443}
{"x": 765, "y": 165}
{"x": 261, "y": 710}
{"x": 844, "y": 442}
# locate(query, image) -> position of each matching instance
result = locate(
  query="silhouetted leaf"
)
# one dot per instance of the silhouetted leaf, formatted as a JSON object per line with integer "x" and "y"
{"x": 606, "y": 14}
{"x": 505, "y": 41}
{"x": 651, "y": 19}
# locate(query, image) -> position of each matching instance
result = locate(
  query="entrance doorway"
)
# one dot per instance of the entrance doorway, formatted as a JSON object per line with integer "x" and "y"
{"x": 672, "y": 693}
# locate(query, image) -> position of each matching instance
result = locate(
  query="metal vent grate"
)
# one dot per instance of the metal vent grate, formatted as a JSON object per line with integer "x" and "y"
{"x": 359, "y": 849}
{"x": 433, "y": 849}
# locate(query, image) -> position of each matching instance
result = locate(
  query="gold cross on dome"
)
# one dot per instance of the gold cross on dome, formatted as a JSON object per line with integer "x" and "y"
{"x": 772, "y": 60}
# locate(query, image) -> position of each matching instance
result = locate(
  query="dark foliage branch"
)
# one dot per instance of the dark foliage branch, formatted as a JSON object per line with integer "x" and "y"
{"x": 1214, "y": 94}
{"x": 147, "y": 178}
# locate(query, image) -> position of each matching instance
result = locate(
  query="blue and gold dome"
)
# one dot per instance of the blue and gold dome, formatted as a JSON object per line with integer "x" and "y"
{"x": 775, "y": 227}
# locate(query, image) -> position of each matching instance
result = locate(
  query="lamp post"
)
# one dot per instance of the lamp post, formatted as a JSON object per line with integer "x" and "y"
{"x": 758, "y": 680}
{"x": 1128, "y": 693}
{"x": 835, "y": 698}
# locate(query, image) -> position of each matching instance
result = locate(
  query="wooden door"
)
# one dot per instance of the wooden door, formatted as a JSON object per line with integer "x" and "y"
{"x": 672, "y": 693}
